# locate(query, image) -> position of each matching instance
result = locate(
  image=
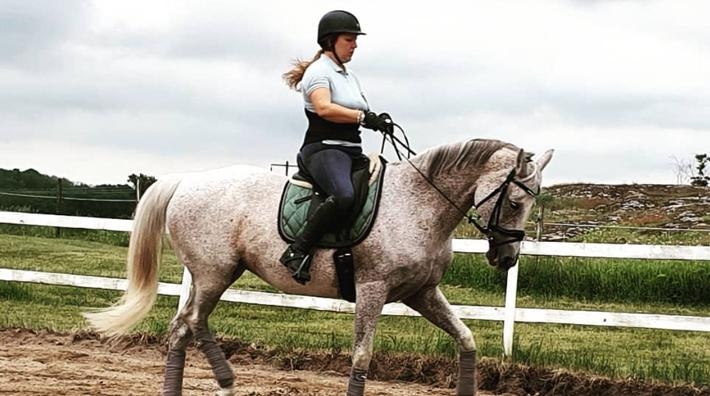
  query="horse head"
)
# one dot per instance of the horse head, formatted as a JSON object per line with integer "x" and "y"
{"x": 504, "y": 197}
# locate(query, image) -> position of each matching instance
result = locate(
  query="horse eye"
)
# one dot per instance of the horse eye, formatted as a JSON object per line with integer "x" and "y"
{"x": 514, "y": 205}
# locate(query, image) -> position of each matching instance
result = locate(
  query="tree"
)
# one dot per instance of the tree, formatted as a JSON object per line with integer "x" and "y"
{"x": 141, "y": 182}
{"x": 683, "y": 170}
{"x": 700, "y": 179}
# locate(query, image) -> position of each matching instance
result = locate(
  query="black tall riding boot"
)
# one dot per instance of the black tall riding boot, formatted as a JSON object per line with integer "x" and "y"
{"x": 297, "y": 257}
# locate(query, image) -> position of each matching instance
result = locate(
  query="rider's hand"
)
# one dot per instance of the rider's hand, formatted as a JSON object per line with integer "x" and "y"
{"x": 389, "y": 124}
{"x": 382, "y": 122}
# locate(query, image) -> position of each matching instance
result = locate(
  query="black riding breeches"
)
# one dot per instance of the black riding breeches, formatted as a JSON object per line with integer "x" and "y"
{"x": 330, "y": 167}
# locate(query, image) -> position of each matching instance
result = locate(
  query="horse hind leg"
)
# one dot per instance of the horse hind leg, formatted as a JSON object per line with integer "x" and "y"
{"x": 191, "y": 323}
{"x": 207, "y": 295}
{"x": 432, "y": 305}
{"x": 180, "y": 337}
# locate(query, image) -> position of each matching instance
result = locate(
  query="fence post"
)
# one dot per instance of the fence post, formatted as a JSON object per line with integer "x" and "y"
{"x": 286, "y": 165}
{"x": 511, "y": 291}
{"x": 184, "y": 288}
{"x": 60, "y": 193}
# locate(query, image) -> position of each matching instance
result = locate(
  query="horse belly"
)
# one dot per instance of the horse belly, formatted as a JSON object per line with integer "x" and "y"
{"x": 261, "y": 246}
{"x": 323, "y": 278}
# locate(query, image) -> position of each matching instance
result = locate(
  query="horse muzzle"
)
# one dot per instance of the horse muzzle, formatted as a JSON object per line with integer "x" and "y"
{"x": 507, "y": 262}
{"x": 502, "y": 257}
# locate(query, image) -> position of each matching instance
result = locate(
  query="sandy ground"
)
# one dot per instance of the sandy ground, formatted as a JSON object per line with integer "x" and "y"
{"x": 51, "y": 364}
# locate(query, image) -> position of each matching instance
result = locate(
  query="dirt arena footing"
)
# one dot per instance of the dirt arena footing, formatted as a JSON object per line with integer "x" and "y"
{"x": 25, "y": 353}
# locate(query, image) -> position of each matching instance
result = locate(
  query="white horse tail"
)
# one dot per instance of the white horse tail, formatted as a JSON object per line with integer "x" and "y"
{"x": 142, "y": 265}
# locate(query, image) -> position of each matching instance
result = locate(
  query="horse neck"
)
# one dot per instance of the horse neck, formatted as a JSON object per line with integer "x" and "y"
{"x": 459, "y": 187}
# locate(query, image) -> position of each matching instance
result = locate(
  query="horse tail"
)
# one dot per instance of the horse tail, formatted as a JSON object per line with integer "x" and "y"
{"x": 143, "y": 262}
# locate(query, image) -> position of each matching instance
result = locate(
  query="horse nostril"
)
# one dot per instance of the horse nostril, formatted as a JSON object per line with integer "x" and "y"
{"x": 492, "y": 258}
{"x": 508, "y": 262}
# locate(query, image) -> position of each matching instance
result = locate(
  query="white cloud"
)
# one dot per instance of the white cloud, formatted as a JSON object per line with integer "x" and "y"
{"x": 617, "y": 88}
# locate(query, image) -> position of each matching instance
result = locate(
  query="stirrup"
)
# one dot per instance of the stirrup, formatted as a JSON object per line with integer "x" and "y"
{"x": 301, "y": 275}
{"x": 298, "y": 264}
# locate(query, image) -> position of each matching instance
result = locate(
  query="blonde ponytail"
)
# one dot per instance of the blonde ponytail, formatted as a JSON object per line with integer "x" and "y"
{"x": 295, "y": 75}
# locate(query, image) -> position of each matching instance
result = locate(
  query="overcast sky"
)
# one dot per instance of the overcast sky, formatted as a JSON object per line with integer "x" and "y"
{"x": 96, "y": 90}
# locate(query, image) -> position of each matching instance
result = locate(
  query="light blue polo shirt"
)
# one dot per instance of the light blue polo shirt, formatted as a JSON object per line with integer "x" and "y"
{"x": 344, "y": 86}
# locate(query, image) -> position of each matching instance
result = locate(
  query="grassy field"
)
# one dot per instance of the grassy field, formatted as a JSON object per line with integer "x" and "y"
{"x": 580, "y": 284}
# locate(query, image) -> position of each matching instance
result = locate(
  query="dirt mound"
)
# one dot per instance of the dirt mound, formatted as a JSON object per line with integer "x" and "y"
{"x": 439, "y": 372}
{"x": 669, "y": 207}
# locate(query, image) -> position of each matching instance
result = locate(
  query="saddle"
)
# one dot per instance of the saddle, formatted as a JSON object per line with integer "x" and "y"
{"x": 301, "y": 195}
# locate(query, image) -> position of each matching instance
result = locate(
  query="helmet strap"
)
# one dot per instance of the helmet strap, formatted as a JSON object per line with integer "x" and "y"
{"x": 330, "y": 47}
{"x": 340, "y": 62}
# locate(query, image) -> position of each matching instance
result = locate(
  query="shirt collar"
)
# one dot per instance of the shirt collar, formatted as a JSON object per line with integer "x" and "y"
{"x": 335, "y": 66}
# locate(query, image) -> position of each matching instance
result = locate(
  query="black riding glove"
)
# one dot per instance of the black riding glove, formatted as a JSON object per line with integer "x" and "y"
{"x": 389, "y": 129}
{"x": 382, "y": 122}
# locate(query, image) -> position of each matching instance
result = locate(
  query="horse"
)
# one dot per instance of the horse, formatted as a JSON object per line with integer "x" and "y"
{"x": 224, "y": 222}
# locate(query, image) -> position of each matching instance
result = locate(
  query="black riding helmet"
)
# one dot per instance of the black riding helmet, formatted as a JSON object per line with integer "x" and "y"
{"x": 334, "y": 23}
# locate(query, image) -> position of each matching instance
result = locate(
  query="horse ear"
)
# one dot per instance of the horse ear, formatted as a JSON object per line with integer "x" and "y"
{"x": 545, "y": 159}
{"x": 521, "y": 165}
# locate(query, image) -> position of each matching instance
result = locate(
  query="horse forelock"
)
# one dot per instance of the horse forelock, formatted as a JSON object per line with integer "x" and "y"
{"x": 457, "y": 156}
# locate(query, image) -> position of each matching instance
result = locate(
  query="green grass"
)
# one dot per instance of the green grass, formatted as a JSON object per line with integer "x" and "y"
{"x": 74, "y": 256}
{"x": 645, "y": 237}
{"x": 116, "y": 238}
{"x": 584, "y": 283}
{"x": 619, "y": 353}
{"x": 674, "y": 357}
{"x": 567, "y": 283}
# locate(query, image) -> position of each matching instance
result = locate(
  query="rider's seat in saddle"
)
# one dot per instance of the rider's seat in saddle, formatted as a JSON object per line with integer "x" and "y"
{"x": 301, "y": 196}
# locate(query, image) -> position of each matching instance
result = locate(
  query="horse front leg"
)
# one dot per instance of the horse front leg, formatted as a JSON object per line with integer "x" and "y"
{"x": 369, "y": 302}
{"x": 432, "y": 304}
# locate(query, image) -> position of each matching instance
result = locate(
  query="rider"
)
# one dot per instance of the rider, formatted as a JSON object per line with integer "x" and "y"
{"x": 335, "y": 107}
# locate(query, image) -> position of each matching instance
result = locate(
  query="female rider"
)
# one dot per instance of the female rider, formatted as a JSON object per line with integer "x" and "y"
{"x": 335, "y": 107}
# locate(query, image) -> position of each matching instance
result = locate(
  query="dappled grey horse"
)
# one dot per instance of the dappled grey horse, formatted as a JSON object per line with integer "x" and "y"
{"x": 224, "y": 222}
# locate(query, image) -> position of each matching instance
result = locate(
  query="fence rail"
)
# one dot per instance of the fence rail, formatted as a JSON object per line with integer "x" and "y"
{"x": 529, "y": 315}
{"x": 508, "y": 314}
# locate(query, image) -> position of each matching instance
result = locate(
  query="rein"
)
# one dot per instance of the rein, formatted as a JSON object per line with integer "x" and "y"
{"x": 492, "y": 227}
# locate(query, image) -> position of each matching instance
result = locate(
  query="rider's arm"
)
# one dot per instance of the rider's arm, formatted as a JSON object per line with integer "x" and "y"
{"x": 320, "y": 98}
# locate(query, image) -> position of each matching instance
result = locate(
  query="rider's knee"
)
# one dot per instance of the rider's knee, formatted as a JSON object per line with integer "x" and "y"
{"x": 344, "y": 202}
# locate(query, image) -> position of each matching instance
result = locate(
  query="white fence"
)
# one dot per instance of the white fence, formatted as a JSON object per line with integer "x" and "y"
{"x": 508, "y": 314}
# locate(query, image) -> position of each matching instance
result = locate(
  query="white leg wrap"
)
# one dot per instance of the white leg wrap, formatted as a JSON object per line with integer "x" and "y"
{"x": 225, "y": 392}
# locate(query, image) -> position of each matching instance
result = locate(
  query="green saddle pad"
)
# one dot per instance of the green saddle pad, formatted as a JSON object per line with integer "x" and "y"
{"x": 296, "y": 202}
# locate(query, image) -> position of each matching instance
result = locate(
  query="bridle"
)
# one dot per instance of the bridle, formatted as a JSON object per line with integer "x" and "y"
{"x": 493, "y": 227}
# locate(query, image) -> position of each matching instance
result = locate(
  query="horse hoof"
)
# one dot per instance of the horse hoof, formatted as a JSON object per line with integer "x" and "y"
{"x": 225, "y": 392}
